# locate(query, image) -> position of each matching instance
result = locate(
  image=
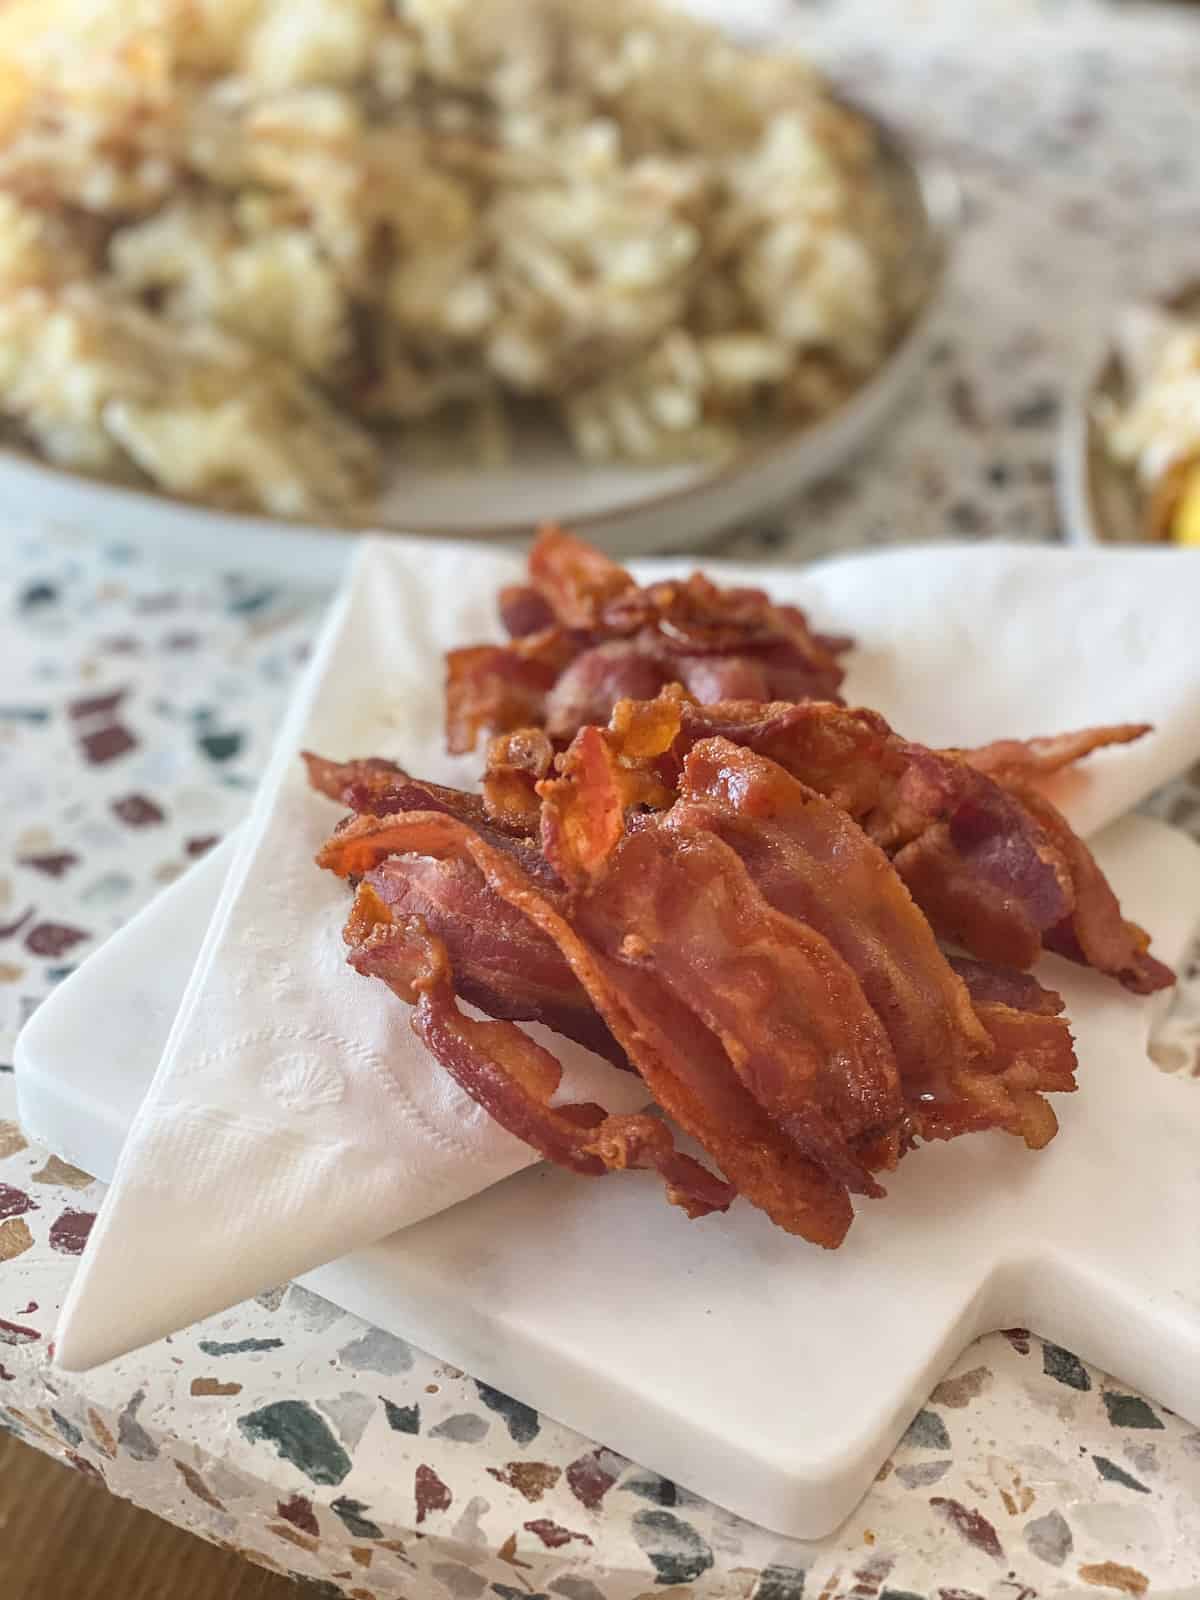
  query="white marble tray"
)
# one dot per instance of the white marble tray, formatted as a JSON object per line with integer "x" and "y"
{"x": 767, "y": 1376}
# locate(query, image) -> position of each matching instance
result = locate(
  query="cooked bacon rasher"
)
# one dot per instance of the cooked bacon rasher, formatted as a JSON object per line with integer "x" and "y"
{"x": 808, "y": 935}
{"x": 584, "y": 635}
{"x": 994, "y": 865}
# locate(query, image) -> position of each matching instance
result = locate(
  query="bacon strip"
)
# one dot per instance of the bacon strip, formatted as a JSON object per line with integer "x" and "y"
{"x": 957, "y": 877}
{"x": 516, "y": 764}
{"x": 501, "y": 962}
{"x": 1041, "y": 1057}
{"x": 583, "y": 810}
{"x": 372, "y": 786}
{"x": 851, "y": 756}
{"x": 692, "y": 1080}
{"x": 1006, "y": 986}
{"x": 1036, "y": 758}
{"x": 587, "y": 690}
{"x": 638, "y": 668}
{"x": 979, "y": 866}
{"x": 523, "y": 611}
{"x": 583, "y": 635}
{"x": 510, "y": 1075}
{"x": 683, "y": 1064}
{"x": 812, "y": 862}
{"x": 576, "y": 581}
{"x": 675, "y": 898}
{"x": 493, "y": 688}
{"x": 789, "y": 1011}
{"x": 1095, "y": 933}
{"x": 995, "y": 868}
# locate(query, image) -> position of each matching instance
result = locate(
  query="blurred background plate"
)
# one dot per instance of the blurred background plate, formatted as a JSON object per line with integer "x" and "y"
{"x": 1100, "y": 500}
{"x": 627, "y": 509}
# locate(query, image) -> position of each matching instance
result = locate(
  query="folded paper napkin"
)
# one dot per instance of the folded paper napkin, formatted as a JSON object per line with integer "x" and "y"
{"x": 294, "y": 1115}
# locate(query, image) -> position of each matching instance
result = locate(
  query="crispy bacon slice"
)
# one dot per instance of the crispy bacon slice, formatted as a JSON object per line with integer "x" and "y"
{"x": 334, "y": 778}
{"x": 577, "y": 582}
{"x": 849, "y": 755}
{"x": 374, "y": 786}
{"x": 677, "y": 898}
{"x": 1040, "y": 1057}
{"x": 683, "y": 1063}
{"x": 992, "y": 851}
{"x": 994, "y": 894}
{"x": 1040, "y": 757}
{"x": 501, "y": 962}
{"x": 583, "y": 810}
{"x": 516, "y": 764}
{"x": 995, "y": 867}
{"x": 789, "y": 1011}
{"x": 371, "y": 784}
{"x": 523, "y": 611}
{"x": 497, "y": 687}
{"x": 589, "y": 806}
{"x": 689, "y": 1072}
{"x": 584, "y": 635}
{"x": 1006, "y": 986}
{"x": 812, "y": 862}
{"x": 1094, "y": 932}
{"x": 691, "y": 1077}
{"x": 587, "y": 690}
{"x": 977, "y": 863}
{"x": 509, "y": 1074}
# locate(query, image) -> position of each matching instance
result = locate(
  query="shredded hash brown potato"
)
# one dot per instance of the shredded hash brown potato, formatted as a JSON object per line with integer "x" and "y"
{"x": 365, "y": 214}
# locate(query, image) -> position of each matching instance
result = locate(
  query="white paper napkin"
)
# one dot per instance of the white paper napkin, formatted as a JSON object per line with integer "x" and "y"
{"x": 295, "y": 1117}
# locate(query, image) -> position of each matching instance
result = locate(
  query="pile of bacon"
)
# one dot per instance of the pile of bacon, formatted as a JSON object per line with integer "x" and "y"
{"x": 808, "y": 935}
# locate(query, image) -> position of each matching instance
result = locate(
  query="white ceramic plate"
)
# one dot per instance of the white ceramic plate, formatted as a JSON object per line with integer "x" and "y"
{"x": 626, "y": 509}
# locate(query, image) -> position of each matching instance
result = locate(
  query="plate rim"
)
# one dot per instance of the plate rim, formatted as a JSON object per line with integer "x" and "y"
{"x": 1081, "y": 453}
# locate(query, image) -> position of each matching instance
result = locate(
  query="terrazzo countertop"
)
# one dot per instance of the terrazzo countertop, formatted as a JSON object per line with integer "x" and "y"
{"x": 138, "y": 704}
